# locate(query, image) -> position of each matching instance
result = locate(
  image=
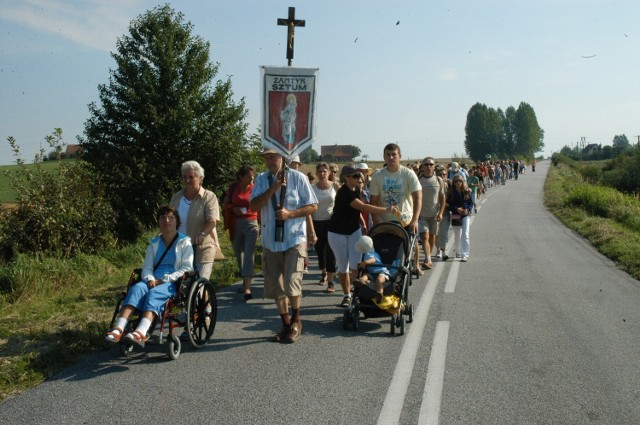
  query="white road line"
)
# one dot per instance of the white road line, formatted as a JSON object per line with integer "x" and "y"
{"x": 394, "y": 400}
{"x": 452, "y": 278}
{"x": 432, "y": 395}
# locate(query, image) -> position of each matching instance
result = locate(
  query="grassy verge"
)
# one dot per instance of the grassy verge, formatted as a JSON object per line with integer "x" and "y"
{"x": 609, "y": 220}
{"x": 54, "y": 311}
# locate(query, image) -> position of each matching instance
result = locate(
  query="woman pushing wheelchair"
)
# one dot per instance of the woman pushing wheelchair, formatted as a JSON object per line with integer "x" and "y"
{"x": 169, "y": 256}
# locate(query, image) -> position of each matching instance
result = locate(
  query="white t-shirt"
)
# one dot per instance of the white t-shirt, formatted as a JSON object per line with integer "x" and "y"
{"x": 183, "y": 210}
{"x": 326, "y": 199}
{"x": 396, "y": 189}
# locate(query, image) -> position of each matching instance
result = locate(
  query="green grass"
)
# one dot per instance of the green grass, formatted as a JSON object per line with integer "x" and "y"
{"x": 609, "y": 220}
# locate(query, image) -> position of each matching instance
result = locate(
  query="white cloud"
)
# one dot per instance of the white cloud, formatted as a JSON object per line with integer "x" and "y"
{"x": 91, "y": 23}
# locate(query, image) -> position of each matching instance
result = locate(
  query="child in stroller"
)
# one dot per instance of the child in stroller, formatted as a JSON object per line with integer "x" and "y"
{"x": 371, "y": 270}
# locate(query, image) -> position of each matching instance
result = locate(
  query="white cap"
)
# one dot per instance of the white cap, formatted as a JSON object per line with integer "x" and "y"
{"x": 363, "y": 167}
{"x": 296, "y": 159}
{"x": 364, "y": 244}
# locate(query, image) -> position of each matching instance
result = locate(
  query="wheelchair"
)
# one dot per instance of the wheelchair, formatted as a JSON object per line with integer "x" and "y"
{"x": 193, "y": 309}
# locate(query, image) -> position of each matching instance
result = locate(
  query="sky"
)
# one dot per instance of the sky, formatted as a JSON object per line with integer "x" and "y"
{"x": 405, "y": 72}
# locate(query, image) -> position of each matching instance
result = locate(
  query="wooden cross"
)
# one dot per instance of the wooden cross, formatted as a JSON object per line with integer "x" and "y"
{"x": 291, "y": 23}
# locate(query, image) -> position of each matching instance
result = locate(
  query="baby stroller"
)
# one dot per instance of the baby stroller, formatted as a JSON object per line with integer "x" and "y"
{"x": 396, "y": 249}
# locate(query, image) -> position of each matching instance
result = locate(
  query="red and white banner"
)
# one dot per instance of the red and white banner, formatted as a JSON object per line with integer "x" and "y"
{"x": 288, "y": 109}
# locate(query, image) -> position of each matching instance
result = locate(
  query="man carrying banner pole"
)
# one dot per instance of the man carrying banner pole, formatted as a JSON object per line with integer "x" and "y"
{"x": 284, "y": 198}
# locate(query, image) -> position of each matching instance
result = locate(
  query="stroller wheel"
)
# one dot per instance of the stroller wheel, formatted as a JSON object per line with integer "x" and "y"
{"x": 394, "y": 318}
{"x": 410, "y": 313}
{"x": 402, "y": 321}
{"x": 355, "y": 319}
{"x": 346, "y": 319}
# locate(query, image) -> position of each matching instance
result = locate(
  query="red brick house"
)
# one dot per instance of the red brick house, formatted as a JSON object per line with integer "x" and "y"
{"x": 339, "y": 153}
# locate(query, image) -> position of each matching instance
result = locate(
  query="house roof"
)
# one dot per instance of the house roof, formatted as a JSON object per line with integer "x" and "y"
{"x": 337, "y": 150}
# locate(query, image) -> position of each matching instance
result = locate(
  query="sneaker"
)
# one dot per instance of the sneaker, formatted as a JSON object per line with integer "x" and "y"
{"x": 458, "y": 255}
{"x": 439, "y": 256}
{"x": 464, "y": 259}
{"x": 306, "y": 270}
{"x": 346, "y": 302}
{"x": 445, "y": 257}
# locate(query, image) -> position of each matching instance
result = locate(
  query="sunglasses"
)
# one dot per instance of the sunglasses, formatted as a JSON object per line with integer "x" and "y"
{"x": 356, "y": 176}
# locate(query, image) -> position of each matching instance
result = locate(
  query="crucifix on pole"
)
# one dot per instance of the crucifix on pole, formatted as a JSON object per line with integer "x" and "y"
{"x": 291, "y": 23}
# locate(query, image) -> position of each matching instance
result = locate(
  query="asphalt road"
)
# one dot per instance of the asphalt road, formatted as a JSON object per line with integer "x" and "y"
{"x": 537, "y": 328}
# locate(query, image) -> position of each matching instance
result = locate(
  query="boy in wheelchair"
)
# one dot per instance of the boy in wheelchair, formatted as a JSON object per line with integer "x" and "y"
{"x": 168, "y": 257}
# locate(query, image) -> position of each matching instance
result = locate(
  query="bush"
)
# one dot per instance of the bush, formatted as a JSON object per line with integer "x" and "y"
{"x": 591, "y": 173}
{"x": 596, "y": 200}
{"x": 59, "y": 213}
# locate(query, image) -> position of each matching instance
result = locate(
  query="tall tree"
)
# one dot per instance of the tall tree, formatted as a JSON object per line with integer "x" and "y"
{"x": 159, "y": 109}
{"x": 507, "y": 148}
{"x": 529, "y": 135}
{"x": 483, "y": 131}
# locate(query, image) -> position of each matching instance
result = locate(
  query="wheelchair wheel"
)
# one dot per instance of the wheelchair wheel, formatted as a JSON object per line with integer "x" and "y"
{"x": 174, "y": 347}
{"x": 202, "y": 308}
{"x": 126, "y": 348}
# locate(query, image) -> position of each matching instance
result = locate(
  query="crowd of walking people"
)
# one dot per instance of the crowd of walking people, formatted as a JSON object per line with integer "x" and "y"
{"x": 329, "y": 212}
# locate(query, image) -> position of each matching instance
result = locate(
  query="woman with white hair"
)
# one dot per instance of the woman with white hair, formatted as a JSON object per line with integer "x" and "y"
{"x": 200, "y": 211}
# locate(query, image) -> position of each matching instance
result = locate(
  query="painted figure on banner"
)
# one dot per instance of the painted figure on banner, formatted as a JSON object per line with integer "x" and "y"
{"x": 288, "y": 117}
{"x": 288, "y": 114}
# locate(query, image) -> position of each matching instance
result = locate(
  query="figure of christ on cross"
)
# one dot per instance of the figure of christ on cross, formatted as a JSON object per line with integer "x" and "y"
{"x": 291, "y": 23}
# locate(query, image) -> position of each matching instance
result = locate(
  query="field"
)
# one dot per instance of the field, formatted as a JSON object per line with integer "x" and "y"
{"x": 7, "y": 194}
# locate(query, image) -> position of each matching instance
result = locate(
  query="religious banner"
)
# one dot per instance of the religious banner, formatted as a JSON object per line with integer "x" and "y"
{"x": 288, "y": 109}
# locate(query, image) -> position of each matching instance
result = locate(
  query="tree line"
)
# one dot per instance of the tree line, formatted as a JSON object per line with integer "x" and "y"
{"x": 494, "y": 133}
{"x": 596, "y": 151}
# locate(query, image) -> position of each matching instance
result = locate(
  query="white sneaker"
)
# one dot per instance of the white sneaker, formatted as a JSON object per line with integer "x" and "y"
{"x": 464, "y": 259}
{"x": 439, "y": 256}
